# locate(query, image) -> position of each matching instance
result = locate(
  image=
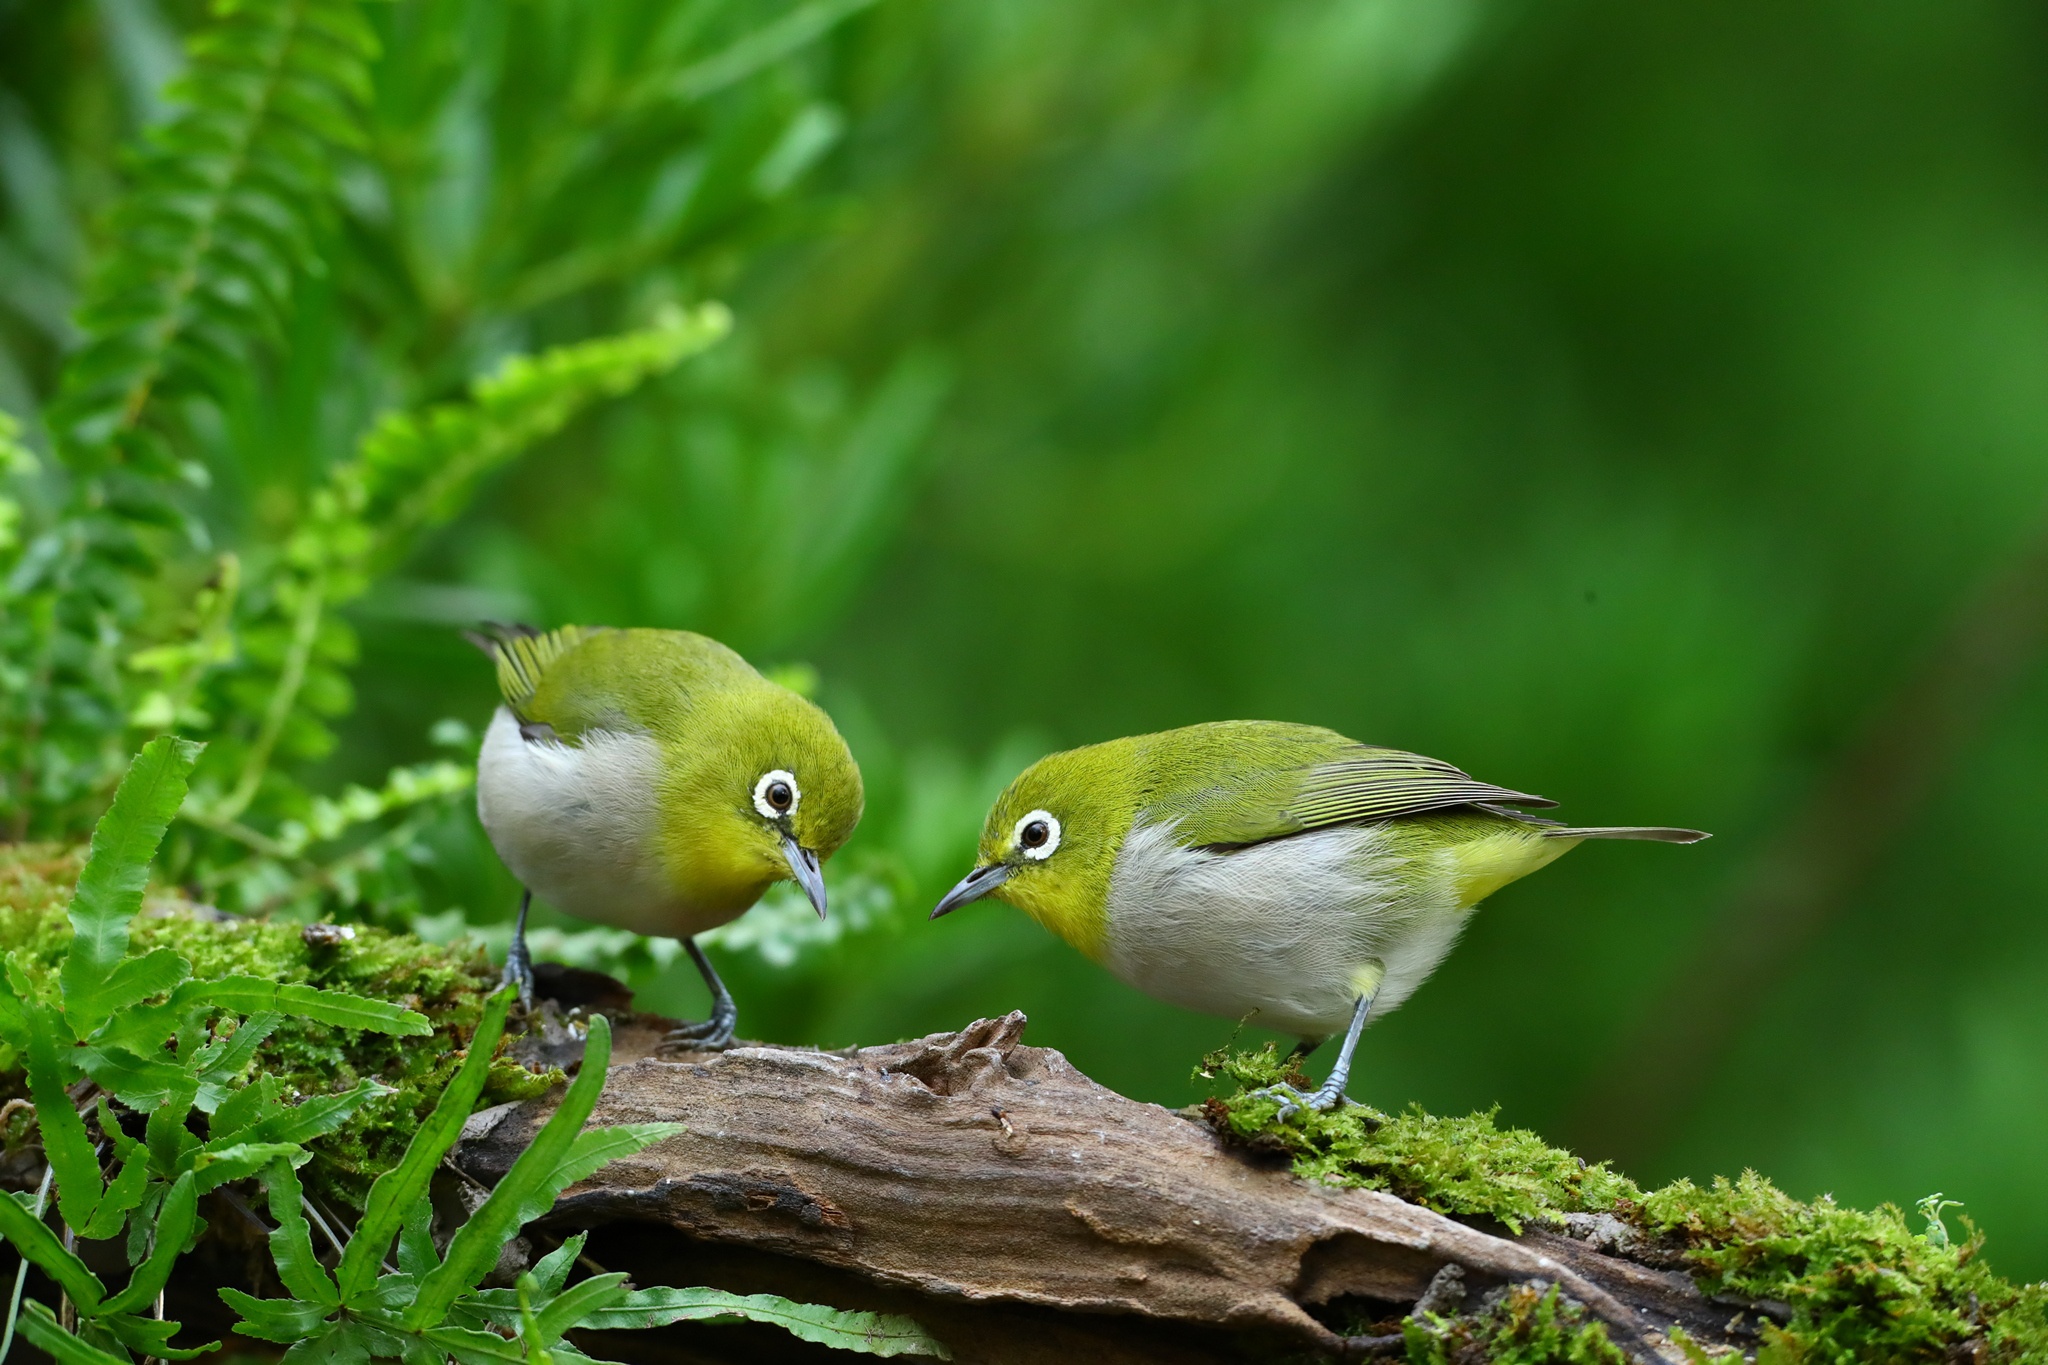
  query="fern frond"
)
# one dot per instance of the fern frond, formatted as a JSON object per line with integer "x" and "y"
{"x": 225, "y": 203}
{"x": 414, "y": 471}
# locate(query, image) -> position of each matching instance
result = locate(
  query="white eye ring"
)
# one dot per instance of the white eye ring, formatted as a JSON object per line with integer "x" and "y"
{"x": 1052, "y": 840}
{"x": 769, "y": 779}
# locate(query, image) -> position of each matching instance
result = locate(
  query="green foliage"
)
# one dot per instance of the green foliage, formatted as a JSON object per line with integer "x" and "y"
{"x": 1862, "y": 1285}
{"x": 300, "y": 1057}
{"x": 1859, "y": 1286}
{"x": 224, "y": 205}
{"x": 431, "y": 1306}
{"x": 219, "y": 217}
{"x": 165, "y": 1047}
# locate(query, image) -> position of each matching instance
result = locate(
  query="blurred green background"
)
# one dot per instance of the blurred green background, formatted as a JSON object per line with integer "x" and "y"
{"x": 1642, "y": 405}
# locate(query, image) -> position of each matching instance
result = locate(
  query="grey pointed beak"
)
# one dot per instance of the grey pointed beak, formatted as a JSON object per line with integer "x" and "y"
{"x": 805, "y": 872}
{"x": 972, "y": 887}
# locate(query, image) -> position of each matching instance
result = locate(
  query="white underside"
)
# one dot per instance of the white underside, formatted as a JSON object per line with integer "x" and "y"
{"x": 1285, "y": 932}
{"x": 577, "y": 824}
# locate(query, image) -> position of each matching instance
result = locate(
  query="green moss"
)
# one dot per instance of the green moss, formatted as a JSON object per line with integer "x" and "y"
{"x": 1464, "y": 1166}
{"x": 1862, "y": 1286}
{"x": 1859, "y": 1288}
{"x": 447, "y": 984}
{"x": 1519, "y": 1325}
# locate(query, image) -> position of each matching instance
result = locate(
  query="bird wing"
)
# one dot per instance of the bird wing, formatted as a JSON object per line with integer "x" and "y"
{"x": 1283, "y": 780}
{"x": 1380, "y": 784}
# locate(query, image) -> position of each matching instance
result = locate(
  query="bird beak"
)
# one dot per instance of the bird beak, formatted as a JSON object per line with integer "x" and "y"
{"x": 972, "y": 887}
{"x": 805, "y": 872}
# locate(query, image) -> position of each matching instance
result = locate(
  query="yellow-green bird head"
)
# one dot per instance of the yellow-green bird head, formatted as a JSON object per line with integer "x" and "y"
{"x": 653, "y": 780}
{"x": 1051, "y": 839}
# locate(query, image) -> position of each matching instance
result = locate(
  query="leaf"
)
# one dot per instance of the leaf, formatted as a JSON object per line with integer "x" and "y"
{"x": 880, "y": 1334}
{"x": 472, "y": 1347}
{"x": 291, "y": 1241}
{"x": 304, "y": 1121}
{"x": 238, "y": 1161}
{"x": 151, "y": 1336}
{"x": 32, "y": 1238}
{"x": 116, "y": 873}
{"x": 123, "y": 1193}
{"x": 283, "y": 1320}
{"x": 552, "y": 1270}
{"x": 569, "y": 1308}
{"x": 251, "y": 1104}
{"x": 600, "y": 1147}
{"x": 253, "y": 995}
{"x": 170, "y": 1140}
{"x": 405, "y": 1184}
{"x": 39, "y": 1328}
{"x": 522, "y": 1194}
{"x": 173, "y": 1229}
{"x": 138, "y": 978}
{"x": 142, "y": 1083}
{"x": 416, "y": 1255}
{"x": 348, "y": 1343}
{"x": 217, "y": 1077}
{"x": 110, "y": 1128}
{"x": 65, "y": 1144}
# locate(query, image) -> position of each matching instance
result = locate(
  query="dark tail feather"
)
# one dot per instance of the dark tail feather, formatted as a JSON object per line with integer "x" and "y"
{"x": 489, "y": 635}
{"x": 1653, "y": 833}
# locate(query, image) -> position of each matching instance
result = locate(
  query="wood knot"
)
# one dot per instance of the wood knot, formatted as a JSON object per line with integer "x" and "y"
{"x": 948, "y": 1064}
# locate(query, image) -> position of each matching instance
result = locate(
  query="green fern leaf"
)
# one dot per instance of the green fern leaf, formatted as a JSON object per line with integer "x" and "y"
{"x": 225, "y": 204}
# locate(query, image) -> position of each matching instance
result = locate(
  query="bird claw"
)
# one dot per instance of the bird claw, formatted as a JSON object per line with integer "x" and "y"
{"x": 1293, "y": 1100}
{"x": 709, "y": 1035}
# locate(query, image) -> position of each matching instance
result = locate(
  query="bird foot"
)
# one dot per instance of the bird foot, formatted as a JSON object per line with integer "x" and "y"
{"x": 710, "y": 1035}
{"x": 519, "y": 972}
{"x": 1294, "y": 1100}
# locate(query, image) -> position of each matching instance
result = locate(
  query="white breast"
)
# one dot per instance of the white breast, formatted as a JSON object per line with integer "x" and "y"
{"x": 1280, "y": 931}
{"x": 577, "y": 824}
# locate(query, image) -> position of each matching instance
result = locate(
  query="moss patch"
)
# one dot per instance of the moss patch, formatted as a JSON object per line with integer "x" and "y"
{"x": 447, "y": 984}
{"x": 1518, "y": 1325}
{"x": 1861, "y": 1287}
{"x": 1468, "y": 1167}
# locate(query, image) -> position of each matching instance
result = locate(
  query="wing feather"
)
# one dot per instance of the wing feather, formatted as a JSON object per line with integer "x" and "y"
{"x": 1383, "y": 784}
{"x": 523, "y": 656}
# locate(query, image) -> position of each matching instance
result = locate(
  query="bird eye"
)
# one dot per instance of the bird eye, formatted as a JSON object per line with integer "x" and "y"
{"x": 776, "y": 794}
{"x": 1038, "y": 834}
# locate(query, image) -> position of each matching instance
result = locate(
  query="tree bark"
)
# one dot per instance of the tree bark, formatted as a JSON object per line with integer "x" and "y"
{"x": 1020, "y": 1211}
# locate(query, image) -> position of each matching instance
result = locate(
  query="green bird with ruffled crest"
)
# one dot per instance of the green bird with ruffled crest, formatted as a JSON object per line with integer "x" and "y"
{"x": 1257, "y": 870}
{"x": 654, "y": 781}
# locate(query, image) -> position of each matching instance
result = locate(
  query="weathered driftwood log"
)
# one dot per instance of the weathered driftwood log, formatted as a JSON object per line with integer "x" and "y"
{"x": 1019, "y": 1210}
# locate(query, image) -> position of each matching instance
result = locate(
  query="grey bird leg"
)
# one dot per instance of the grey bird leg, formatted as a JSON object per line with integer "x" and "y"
{"x": 713, "y": 1033}
{"x": 518, "y": 963}
{"x": 1330, "y": 1093}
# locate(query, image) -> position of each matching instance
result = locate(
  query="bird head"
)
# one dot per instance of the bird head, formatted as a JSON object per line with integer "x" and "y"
{"x": 1051, "y": 840}
{"x": 766, "y": 786}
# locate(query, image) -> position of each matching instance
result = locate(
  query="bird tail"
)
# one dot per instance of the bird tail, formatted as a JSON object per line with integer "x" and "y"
{"x": 1653, "y": 833}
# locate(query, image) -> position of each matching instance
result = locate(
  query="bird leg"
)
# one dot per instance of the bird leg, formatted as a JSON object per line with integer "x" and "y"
{"x": 1330, "y": 1093}
{"x": 713, "y": 1033}
{"x": 518, "y": 962}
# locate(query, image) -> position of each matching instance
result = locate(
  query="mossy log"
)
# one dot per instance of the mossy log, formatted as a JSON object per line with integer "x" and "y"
{"x": 1024, "y": 1213}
